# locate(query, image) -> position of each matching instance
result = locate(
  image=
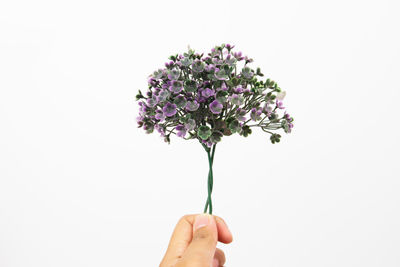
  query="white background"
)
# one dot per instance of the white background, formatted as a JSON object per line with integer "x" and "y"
{"x": 81, "y": 185}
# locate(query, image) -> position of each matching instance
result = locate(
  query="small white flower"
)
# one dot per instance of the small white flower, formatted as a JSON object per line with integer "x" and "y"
{"x": 281, "y": 95}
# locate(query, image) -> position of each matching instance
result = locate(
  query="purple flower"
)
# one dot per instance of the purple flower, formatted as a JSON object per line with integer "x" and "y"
{"x": 207, "y": 143}
{"x": 169, "y": 109}
{"x": 279, "y": 104}
{"x": 159, "y": 115}
{"x": 216, "y": 107}
{"x": 190, "y": 124}
{"x": 288, "y": 117}
{"x": 169, "y": 65}
{"x": 143, "y": 109}
{"x": 223, "y": 87}
{"x": 181, "y": 130}
{"x": 148, "y": 127}
{"x": 247, "y": 73}
{"x": 238, "y": 90}
{"x": 173, "y": 74}
{"x": 217, "y": 61}
{"x": 152, "y": 82}
{"x": 139, "y": 121}
{"x": 236, "y": 99}
{"x": 157, "y": 90}
{"x": 176, "y": 86}
{"x": 238, "y": 56}
{"x": 210, "y": 67}
{"x": 267, "y": 109}
{"x": 248, "y": 60}
{"x": 230, "y": 61}
{"x": 180, "y": 101}
{"x": 152, "y": 102}
{"x": 200, "y": 98}
{"x": 214, "y": 52}
{"x": 158, "y": 74}
{"x": 255, "y": 114}
{"x": 208, "y": 92}
{"x": 229, "y": 47}
{"x": 160, "y": 129}
{"x": 163, "y": 95}
{"x": 240, "y": 114}
{"x": 192, "y": 105}
{"x": 186, "y": 62}
{"x": 198, "y": 66}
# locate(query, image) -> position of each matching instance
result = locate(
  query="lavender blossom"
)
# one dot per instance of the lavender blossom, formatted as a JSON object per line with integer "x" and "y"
{"x": 163, "y": 95}
{"x": 240, "y": 114}
{"x": 159, "y": 115}
{"x": 255, "y": 114}
{"x": 216, "y": 107}
{"x": 176, "y": 86}
{"x": 181, "y": 130}
{"x": 198, "y": 66}
{"x": 190, "y": 124}
{"x": 236, "y": 99}
{"x": 173, "y": 74}
{"x": 169, "y": 109}
{"x": 152, "y": 102}
{"x": 279, "y": 104}
{"x": 207, "y": 92}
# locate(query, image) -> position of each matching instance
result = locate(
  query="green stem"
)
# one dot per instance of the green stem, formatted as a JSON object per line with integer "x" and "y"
{"x": 210, "y": 155}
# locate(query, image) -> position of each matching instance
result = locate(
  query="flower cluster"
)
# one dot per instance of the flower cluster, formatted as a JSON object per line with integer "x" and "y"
{"x": 206, "y": 97}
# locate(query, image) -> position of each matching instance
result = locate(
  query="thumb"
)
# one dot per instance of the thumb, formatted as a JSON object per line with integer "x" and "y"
{"x": 201, "y": 250}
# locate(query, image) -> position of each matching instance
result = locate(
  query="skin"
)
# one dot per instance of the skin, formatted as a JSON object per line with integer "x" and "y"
{"x": 194, "y": 242}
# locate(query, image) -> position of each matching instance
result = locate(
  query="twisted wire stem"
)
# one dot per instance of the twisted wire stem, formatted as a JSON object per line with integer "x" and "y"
{"x": 210, "y": 155}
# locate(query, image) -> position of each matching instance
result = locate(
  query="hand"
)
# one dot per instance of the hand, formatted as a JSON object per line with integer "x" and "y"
{"x": 194, "y": 240}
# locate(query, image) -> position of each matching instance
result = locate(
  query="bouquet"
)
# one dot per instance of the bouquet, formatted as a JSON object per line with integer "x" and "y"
{"x": 206, "y": 97}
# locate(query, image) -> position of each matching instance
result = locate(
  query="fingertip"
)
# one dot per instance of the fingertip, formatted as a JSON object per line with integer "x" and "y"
{"x": 224, "y": 234}
{"x": 220, "y": 257}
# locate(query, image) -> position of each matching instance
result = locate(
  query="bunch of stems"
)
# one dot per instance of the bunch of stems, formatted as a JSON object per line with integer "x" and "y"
{"x": 210, "y": 155}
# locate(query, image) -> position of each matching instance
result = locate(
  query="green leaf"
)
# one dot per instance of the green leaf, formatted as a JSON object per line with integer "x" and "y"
{"x": 139, "y": 95}
{"x": 221, "y": 96}
{"x": 173, "y": 58}
{"x": 190, "y": 86}
{"x": 204, "y": 132}
{"x": 180, "y": 101}
{"x": 245, "y": 131}
{"x": 275, "y": 138}
{"x": 234, "y": 126}
{"x": 216, "y": 136}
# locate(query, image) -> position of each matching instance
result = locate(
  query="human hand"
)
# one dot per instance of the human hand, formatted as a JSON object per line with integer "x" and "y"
{"x": 194, "y": 240}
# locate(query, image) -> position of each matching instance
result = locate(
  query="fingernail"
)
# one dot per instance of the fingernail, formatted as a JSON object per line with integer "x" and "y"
{"x": 201, "y": 220}
{"x": 215, "y": 263}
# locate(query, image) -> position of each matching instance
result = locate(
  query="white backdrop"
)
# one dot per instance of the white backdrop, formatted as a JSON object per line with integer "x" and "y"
{"x": 81, "y": 185}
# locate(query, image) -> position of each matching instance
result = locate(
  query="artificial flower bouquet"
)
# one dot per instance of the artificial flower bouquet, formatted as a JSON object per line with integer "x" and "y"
{"x": 206, "y": 97}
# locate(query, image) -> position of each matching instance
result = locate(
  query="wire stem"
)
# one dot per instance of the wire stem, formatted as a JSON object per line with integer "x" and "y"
{"x": 210, "y": 155}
